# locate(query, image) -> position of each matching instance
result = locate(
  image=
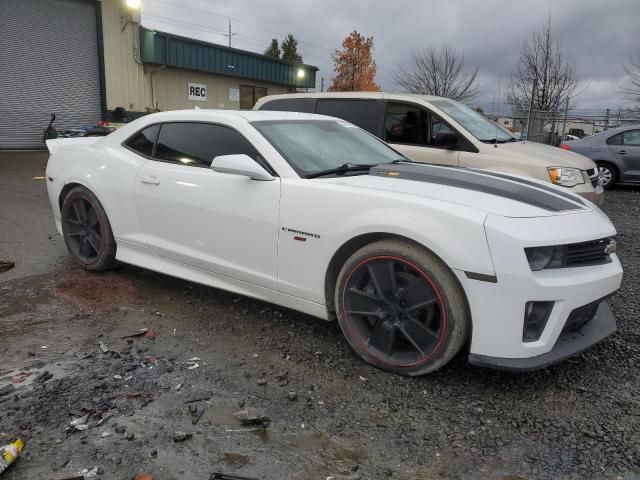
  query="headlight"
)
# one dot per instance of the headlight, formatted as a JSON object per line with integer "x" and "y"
{"x": 567, "y": 177}
{"x": 546, "y": 257}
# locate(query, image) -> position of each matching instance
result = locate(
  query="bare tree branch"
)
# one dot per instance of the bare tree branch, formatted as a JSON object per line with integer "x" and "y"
{"x": 438, "y": 73}
{"x": 542, "y": 63}
{"x": 632, "y": 92}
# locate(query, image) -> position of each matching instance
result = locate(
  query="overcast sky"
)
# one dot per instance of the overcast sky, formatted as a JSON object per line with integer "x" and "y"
{"x": 600, "y": 35}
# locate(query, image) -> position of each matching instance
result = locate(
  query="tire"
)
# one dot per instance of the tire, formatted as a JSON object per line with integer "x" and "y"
{"x": 424, "y": 302}
{"x": 83, "y": 217}
{"x": 610, "y": 172}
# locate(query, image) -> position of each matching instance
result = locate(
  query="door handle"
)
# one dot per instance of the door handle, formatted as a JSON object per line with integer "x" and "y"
{"x": 150, "y": 180}
{"x": 622, "y": 152}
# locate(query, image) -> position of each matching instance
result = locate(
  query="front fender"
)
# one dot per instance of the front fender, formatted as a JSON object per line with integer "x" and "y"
{"x": 328, "y": 220}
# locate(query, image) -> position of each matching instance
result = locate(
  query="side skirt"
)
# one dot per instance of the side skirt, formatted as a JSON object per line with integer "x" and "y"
{"x": 142, "y": 256}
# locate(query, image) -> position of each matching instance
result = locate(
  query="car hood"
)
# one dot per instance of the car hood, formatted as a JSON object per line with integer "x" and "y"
{"x": 491, "y": 192}
{"x": 551, "y": 156}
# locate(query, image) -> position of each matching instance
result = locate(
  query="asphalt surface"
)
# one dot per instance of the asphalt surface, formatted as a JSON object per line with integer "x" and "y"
{"x": 331, "y": 415}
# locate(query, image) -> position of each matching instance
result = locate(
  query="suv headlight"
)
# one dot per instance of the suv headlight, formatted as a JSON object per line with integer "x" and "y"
{"x": 567, "y": 177}
{"x": 546, "y": 257}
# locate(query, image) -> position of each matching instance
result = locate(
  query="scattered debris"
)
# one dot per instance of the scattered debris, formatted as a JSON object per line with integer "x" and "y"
{"x": 362, "y": 379}
{"x": 249, "y": 416}
{"x": 196, "y": 413}
{"x": 9, "y": 453}
{"x": 181, "y": 436}
{"x": 139, "y": 333}
{"x": 7, "y": 389}
{"x": 293, "y": 396}
{"x": 6, "y": 265}
{"x": 144, "y": 476}
{"x": 105, "y": 434}
{"x": 262, "y": 382}
{"x": 44, "y": 377}
{"x": 199, "y": 396}
{"x": 226, "y": 476}
{"x": 86, "y": 473}
{"x": 39, "y": 178}
{"x": 151, "y": 333}
{"x": 80, "y": 423}
{"x": 178, "y": 387}
{"x": 103, "y": 347}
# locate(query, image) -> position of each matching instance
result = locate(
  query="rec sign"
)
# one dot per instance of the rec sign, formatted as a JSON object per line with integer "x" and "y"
{"x": 198, "y": 92}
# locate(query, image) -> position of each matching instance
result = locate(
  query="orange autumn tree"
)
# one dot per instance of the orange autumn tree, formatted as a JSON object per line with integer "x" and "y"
{"x": 354, "y": 65}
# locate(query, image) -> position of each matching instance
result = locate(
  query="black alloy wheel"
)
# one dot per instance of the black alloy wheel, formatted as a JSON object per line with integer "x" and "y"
{"x": 394, "y": 310}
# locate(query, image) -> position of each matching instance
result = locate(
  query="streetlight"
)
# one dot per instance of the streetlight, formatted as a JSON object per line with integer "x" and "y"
{"x": 301, "y": 73}
{"x": 134, "y": 5}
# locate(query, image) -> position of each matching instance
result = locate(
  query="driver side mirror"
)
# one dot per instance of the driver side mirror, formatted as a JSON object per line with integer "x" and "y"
{"x": 240, "y": 164}
{"x": 446, "y": 140}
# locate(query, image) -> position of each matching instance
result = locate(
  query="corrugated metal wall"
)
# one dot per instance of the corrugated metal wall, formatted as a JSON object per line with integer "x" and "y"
{"x": 48, "y": 63}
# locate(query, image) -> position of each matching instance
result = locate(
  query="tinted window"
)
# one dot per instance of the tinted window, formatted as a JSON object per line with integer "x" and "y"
{"x": 631, "y": 137}
{"x": 406, "y": 124}
{"x": 438, "y": 128}
{"x": 363, "y": 113}
{"x": 304, "y": 105}
{"x": 142, "y": 142}
{"x": 615, "y": 140}
{"x": 199, "y": 143}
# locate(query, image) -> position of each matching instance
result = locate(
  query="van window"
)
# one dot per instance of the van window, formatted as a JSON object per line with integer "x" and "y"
{"x": 302, "y": 105}
{"x": 363, "y": 113}
{"x": 405, "y": 124}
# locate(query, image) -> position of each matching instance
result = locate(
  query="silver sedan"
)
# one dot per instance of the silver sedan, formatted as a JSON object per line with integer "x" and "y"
{"x": 615, "y": 151}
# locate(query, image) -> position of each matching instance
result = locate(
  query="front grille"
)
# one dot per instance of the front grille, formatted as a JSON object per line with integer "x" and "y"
{"x": 593, "y": 252}
{"x": 594, "y": 176}
{"x": 581, "y": 316}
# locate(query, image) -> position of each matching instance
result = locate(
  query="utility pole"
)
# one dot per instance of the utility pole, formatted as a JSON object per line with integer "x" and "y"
{"x": 606, "y": 119}
{"x": 229, "y": 35}
{"x": 533, "y": 94}
{"x": 321, "y": 84}
{"x": 566, "y": 113}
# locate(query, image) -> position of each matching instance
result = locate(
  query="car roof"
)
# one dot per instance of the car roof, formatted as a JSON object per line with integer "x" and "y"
{"x": 248, "y": 115}
{"x": 371, "y": 95}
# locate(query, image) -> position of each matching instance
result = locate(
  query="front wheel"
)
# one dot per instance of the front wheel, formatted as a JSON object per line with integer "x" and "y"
{"x": 609, "y": 175}
{"x": 86, "y": 231}
{"x": 401, "y": 308}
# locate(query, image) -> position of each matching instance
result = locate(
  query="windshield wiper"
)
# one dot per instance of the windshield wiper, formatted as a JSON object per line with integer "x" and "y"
{"x": 345, "y": 167}
{"x": 494, "y": 140}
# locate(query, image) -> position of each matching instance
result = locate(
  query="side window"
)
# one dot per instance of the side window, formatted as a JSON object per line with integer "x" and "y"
{"x": 438, "y": 128}
{"x": 405, "y": 124}
{"x": 615, "y": 140}
{"x": 362, "y": 113}
{"x": 631, "y": 137}
{"x": 198, "y": 144}
{"x": 142, "y": 142}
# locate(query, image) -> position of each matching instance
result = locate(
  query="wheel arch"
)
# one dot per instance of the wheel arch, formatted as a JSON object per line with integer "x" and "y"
{"x": 354, "y": 244}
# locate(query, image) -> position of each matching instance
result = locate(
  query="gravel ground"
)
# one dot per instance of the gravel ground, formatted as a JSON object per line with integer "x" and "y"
{"x": 331, "y": 414}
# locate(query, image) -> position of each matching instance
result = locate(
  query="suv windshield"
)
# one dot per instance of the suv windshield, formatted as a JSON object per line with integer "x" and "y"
{"x": 477, "y": 124}
{"x": 313, "y": 146}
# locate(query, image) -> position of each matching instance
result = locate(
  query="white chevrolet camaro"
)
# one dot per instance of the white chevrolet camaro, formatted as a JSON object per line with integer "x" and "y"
{"x": 312, "y": 213}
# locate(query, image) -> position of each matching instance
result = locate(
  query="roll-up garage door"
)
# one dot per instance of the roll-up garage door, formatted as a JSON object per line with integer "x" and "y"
{"x": 48, "y": 64}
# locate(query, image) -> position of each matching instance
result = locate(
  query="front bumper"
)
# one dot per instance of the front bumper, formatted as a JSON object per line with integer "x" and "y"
{"x": 568, "y": 344}
{"x": 498, "y": 307}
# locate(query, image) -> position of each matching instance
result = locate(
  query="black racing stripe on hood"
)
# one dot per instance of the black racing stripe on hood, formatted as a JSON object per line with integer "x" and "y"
{"x": 479, "y": 182}
{"x": 548, "y": 188}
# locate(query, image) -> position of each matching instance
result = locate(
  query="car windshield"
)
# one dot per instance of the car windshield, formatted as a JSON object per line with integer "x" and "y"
{"x": 477, "y": 124}
{"x": 312, "y": 146}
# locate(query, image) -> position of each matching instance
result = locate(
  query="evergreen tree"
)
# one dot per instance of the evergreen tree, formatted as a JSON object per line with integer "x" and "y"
{"x": 274, "y": 49}
{"x": 290, "y": 49}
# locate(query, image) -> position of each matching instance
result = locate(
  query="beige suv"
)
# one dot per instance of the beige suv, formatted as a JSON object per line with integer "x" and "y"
{"x": 445, "y": 132}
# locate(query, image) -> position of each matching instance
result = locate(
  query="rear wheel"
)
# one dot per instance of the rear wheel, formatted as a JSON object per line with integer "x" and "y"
{"x": 609, "y": 174}
{"x": 401, "y": 308}
{"x": 87, "y": 232}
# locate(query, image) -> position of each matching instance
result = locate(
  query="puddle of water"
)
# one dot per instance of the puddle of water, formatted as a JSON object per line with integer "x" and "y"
{"x": 235, "y": 459}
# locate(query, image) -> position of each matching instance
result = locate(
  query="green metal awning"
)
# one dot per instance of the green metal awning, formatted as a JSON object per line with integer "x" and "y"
{"x": 162, "y": 48}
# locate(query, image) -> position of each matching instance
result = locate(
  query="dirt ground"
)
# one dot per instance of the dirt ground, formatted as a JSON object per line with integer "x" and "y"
{"x": 139, "y": 405}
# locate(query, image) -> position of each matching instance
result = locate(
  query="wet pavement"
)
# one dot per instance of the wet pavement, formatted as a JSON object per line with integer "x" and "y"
{"x": 67, "y": 351}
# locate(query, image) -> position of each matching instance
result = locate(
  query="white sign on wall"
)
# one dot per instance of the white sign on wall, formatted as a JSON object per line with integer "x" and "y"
{"x": 234, "y": 94}
{"x": 198, "y": 92}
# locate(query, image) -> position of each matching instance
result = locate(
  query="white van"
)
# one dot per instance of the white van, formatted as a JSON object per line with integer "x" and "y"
{"x": 445, "y": 132}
